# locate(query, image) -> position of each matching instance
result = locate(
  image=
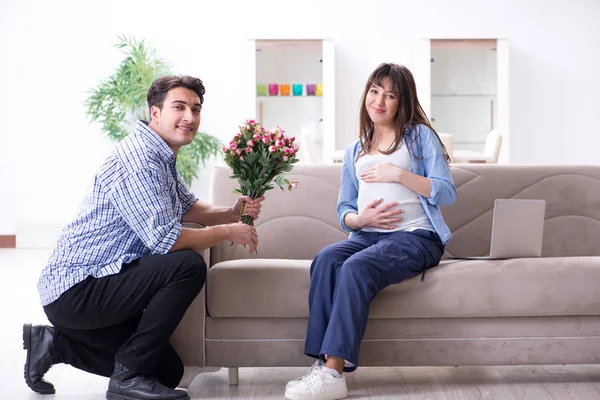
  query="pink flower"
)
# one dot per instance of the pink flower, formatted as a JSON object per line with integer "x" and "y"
{"x": 272, "y": 149}
{"x": 250, "y": 143}
{"x": 279, "y": 143}
{"x": 225, "y": 149}
{"x": 238, "y": 152}
{"x": 248, "y": 149}
{"x": 237, "y": 136}
{"x": 296, "y": 147}
{"x": 256, "y": 137}
{"x": 266, "y": 139}
{"x": 242, "y": 158}
{"x": 251, "y": 121}
{"x": 287, "y": 150}
{"x": 292, "y": 138}
{"x": 285, "y": 158}
{"x": 232, "y": 145}
{"x": 280, "y": 135}
{"x": 293, "y": 185}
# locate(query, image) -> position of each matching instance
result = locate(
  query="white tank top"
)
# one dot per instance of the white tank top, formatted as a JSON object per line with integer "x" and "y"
{"x": 414, "y": 215}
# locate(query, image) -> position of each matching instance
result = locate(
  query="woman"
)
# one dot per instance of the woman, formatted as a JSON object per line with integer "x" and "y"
{"x": 394, "y": 177}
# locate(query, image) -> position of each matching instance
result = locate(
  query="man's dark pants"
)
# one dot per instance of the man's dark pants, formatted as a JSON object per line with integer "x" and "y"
{"x": 128, "y": 317}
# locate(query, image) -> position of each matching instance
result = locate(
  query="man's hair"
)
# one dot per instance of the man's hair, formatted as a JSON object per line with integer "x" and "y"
{"x": 161, "y": 86}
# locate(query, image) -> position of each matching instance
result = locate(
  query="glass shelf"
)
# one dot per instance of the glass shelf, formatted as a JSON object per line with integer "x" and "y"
{"x": 465, "y": 95}
{"x": 469, "y": 142}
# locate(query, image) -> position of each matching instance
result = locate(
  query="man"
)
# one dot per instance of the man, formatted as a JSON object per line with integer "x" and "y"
{"x": 125, "y": 270}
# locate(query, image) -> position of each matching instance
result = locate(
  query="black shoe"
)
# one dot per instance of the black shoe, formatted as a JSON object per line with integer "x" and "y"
{"x": 37, "y": 340}
{"x": 125, "y": 384}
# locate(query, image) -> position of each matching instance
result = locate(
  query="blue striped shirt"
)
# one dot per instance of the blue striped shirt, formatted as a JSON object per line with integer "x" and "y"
{"x": 133, "y": 208}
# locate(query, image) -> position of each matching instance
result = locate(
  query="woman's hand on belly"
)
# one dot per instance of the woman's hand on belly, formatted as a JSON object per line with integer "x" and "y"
{"x": 386, "y": 172}
{"x": 377, "y": 217}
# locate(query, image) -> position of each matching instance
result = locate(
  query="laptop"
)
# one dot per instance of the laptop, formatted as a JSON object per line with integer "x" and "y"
{"x": 517, "y": 229}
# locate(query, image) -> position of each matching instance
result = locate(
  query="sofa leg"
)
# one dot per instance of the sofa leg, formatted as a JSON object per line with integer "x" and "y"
{"x": 233, "y": 376}
{"x": 189, "y": 373}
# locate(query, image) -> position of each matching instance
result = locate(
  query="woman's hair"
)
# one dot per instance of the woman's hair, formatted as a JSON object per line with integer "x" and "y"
{"x": 161, "y": 86}
{"x": 409, "y": 112}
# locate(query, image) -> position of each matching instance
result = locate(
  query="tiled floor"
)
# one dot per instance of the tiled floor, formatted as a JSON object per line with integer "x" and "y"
{"x": 19, "y": 300}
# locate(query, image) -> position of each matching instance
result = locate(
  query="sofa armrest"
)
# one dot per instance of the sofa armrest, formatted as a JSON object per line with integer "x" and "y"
{"x": 188, "y": 338}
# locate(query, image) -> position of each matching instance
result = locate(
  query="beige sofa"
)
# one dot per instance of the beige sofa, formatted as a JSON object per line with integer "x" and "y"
{"x": 253, "y": 310}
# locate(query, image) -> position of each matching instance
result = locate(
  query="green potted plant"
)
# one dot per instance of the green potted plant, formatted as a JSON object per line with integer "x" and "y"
{"x": 117, "y": 102}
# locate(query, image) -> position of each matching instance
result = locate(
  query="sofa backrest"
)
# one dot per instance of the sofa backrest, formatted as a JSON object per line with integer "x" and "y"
{"x": 297, "y": 224}
{"x": 572, "y": 194}
{"x": 293, "y": 224}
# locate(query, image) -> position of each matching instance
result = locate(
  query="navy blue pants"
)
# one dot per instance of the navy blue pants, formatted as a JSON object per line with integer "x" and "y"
{"x": 346, "y": 276}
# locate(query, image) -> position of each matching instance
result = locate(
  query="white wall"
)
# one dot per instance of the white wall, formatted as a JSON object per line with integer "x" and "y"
{"x": 51, "y": 52}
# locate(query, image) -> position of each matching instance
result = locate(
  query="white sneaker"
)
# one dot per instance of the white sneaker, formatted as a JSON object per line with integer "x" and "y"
{"x": 318, "y": 385}
{"x": 317, "y": 364}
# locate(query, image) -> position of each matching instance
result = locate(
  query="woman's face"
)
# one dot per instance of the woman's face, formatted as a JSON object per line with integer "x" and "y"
{"x": 382, "y": 104}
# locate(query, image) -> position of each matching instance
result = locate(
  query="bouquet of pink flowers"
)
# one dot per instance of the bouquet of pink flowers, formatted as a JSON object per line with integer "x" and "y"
{"x": 258, "y": 157}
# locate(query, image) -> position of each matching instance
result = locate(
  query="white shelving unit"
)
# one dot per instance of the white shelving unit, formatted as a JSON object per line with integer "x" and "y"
{"x": 463, "y": 86}
{"x": 307, "y": 61}
{"x": 464, "y": 95}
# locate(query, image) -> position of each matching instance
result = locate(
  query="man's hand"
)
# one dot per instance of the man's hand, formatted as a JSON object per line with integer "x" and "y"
{"x": 379, "y": 217}
{"x": 246, "y": 206}
{"x": 387, "y": 172}
{"x": 241, "y": 233}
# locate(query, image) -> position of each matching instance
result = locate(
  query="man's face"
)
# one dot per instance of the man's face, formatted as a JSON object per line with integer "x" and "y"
{"x": 178, "y": 121}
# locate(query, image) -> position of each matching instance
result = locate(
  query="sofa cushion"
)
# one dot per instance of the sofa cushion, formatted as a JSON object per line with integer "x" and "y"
{"x": 466, "y": 288}
{"x": 258, "y": 288}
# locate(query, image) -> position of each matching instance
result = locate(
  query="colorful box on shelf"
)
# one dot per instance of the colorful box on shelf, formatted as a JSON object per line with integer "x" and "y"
{"x": 310, "y": 89}
{"x": 284, "y": 89}
{"x": 319, "y": 89}
{"x": 261, "y": 89}
{"x": 273, "y": 89}
{"x": 297, "y": 89}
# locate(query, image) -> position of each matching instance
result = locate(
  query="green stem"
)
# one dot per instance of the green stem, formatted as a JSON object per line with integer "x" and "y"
{"x": 248, "y": 220}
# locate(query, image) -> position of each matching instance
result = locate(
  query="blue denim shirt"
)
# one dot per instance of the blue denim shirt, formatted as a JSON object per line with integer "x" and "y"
{"x": 427, "y": 160}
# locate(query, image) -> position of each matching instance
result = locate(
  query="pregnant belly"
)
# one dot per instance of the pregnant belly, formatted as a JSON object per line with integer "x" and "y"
{"x": 393, "y": 192}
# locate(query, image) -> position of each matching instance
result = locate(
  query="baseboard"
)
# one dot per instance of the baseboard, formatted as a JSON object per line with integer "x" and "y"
{"x": 8, "y": 241}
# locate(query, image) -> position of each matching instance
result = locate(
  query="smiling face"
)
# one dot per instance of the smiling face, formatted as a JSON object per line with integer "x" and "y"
{"x": 177, "y": 121}
{"x": 382, "y": 104}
